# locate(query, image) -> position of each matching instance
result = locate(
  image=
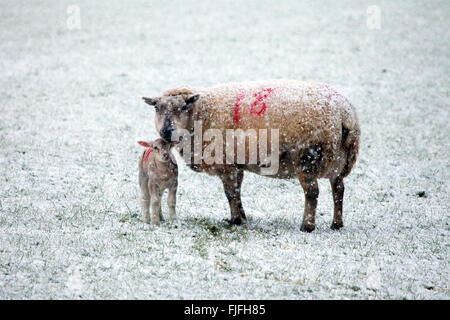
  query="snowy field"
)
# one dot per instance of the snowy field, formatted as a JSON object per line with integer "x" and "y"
{"x": 71, "y": 114}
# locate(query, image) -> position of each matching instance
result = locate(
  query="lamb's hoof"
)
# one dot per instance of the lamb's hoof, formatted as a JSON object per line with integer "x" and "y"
{"x": 337, "y": 225}
{"x": 146, "y": 220}
{"x": 156, "y": 223}
{"x": 307, "y": 227}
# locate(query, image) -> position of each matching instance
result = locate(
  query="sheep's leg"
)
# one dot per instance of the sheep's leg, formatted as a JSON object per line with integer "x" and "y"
{"x": 337, "y": 187}
{"x": 239, "y": 179}
{"x": 172, "y": 201}
{"x": 145, "y": 197}
{"x": 155, "y": 194}
{"x": 311, "y": 190}
{"x": 308, "y": 163}
{"x": 232, "y": 186}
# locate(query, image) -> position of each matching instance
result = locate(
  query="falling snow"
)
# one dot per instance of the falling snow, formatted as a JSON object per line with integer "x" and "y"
{"x": 71, "y": 114}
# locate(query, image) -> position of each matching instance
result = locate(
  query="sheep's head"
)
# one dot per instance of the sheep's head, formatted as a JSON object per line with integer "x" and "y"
{"x": 159, "y": 149}
{"x": 173, "y": 112}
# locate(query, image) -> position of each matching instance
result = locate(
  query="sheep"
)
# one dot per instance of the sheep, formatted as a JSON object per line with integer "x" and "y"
{"x": 318, "y": 129}
{"x": 158, "y": 171}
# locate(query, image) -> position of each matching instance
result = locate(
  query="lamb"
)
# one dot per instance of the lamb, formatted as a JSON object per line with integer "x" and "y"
{"x": 318, "y": 128}
{"x": 158, "y": 171}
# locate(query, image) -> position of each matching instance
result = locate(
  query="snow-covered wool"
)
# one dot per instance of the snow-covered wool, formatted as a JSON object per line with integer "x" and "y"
{"x": 306, "y": 113}
{"x": 318, "y": 128}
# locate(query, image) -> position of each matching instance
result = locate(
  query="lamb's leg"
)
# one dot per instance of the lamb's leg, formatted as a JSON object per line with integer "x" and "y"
{"x": 232, "y": 186}
{"x": 145, "y": 197}
{"x": 311, "y": 190}
{"x": 145, "y": 208}
{"x": 156, "y": 204}
{"x": 172, "y": 201}
{"x": 161, "y": 217}
{"x": 337, "y": 187}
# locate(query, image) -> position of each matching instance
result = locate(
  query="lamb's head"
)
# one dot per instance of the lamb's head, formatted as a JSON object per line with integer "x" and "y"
{"x": 158, "y": 149}
{"x": 173, "y": 112}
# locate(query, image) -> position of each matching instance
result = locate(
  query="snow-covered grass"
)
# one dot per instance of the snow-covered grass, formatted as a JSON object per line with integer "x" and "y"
{"x": 71, "y": 115}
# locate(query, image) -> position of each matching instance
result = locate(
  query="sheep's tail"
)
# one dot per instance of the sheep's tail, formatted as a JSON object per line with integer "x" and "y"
{"x": 350, "y": 139}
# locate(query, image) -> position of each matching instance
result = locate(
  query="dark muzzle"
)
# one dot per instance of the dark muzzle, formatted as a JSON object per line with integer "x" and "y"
{"x": 166, "y": 133}
{"x": 167, "y": 129}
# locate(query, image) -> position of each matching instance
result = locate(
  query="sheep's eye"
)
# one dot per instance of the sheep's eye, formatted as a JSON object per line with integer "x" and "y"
{"x": 155, "y": 148}
{"x": 157, "y": 109}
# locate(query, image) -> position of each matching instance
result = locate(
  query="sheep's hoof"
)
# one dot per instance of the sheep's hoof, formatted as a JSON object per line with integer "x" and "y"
{"x": 337, "y": 225}
{"x": 307, "y": 227}
{"x": 234, "y": 221}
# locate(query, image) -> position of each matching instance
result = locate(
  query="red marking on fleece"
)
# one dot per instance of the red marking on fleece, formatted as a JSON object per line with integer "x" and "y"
{"x": 260, "y": 97}
{"x": 147, "y": 154}
{"x": 237, "y": 104}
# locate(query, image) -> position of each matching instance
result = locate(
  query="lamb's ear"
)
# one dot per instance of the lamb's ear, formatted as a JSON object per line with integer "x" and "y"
{"x": 150, "y": 101}
{"x": 144, "y": 144}
{"x": 190, "y": 100}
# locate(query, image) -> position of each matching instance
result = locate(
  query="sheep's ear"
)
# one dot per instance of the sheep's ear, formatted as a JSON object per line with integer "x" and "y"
{"x": 190, "y": 100}
{"x": 150, "y": 101}
{"x": 144, "y": 144}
